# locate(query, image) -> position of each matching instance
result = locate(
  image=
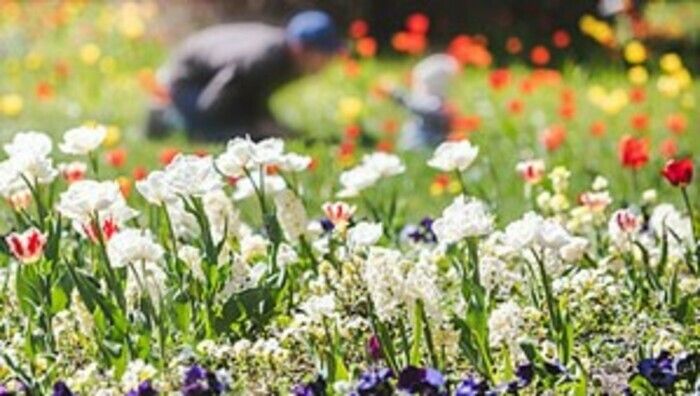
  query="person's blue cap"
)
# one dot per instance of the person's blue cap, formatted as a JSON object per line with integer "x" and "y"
{"x": 314, "y": 29}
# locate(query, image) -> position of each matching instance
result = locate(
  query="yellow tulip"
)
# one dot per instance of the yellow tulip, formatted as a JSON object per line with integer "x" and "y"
{"x": 638, "y": 75}
{"x": 668, "y": 86}
{"x": 349, "y": 109}
{"x": 671, "y": 63}
{"x": 11, "y": 105}
{"x": 683, "y": 78}
{"x": 90, "y": 53}
{"x": 33, "y": 60}
{"x": 454, "y": 187}
{"x": 132, "y": 27}
{"x": 635, "y": 52}
{"x": 113, "y": 136}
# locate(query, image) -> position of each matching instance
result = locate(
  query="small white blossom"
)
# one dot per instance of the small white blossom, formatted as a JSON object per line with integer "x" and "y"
{"x": 83, "y": 140}
{"x": 451, "y": 156}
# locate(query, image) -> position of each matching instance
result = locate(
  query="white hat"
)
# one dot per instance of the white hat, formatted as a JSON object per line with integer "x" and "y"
{"x": 432, "y": 75}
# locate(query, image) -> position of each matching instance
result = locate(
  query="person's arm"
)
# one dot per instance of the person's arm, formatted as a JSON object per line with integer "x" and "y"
{"x": 212, "y": 93}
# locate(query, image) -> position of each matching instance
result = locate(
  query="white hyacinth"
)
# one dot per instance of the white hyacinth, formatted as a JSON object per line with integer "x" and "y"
{"x": 291, "y": 214}
{"x": 462, "y": 219}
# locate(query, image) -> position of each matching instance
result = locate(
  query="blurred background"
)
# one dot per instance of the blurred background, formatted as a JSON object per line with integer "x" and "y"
{"x": 557, "y": 79}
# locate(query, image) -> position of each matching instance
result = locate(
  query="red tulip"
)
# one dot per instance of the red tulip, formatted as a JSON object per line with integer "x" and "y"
{"x": 418, "y": 23}
{"x": 553, "y": 137}
{"x": 633, "y": 152}
{"x": 514, "y": 45}
{"x": 678, "y": 172}
{"x": 167, "y": 155}
{"x": 116, "y": 157}
{"x": 539, "y": 55}
{"x": 358, "y": 28}
{"x": 640, "y": 122}
{"x": 597, "y": 128}
{"x": 499, "y": 78}
{"x": 676, "y": 123}
{"x": 366, "y": 47}
{"x": 561, "y": 38}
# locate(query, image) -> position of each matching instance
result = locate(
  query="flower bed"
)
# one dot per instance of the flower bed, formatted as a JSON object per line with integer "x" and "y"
{"x": 173, "y": 291}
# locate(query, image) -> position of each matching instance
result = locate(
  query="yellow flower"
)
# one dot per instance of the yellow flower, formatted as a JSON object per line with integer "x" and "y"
{"x": 436, "y": 189}
{"x": 683, "y": 78}
{"x": 349, "y": 109}
{"x": 635, "y": 52}
{"x": 671, "y": 63}
{"x": 638, "y": 75}
{"x": 668, "y": 86}
{"x": 454, "y": 187}
{"x": 33, "y": 60}
{"x": 90, "y": 53}
{"x": 131, "y": 26}
{"x": 11, "y": 105}
{"x": 113, "y": 136}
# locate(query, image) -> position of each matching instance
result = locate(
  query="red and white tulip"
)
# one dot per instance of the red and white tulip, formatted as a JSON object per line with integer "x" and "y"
{"x": 27, "y": 247}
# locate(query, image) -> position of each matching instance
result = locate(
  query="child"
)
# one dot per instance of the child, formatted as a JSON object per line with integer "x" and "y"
{"x": 430, "y": 121}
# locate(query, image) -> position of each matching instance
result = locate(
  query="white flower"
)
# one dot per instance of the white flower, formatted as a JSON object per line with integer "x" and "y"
{"x": 146, "y": 278}
{"x": 82, "y": 140}
{"x": 191, "y": 256}
{"x": 290, "y": 214}
{"x": 624, "y": 222}
{"x": 86, "y": 197}
{"x": 37, "y": 143}
{"x": 596, "y": 201}
{"x": 136, "y": 372}
{"x": 599, "y": 183}
{"x": 384, "y": 164}
{"x": 133, "y": 246}
{"x": 505, "y": 323}
{"x": 666, "y": 219}
{"x": 221, "y": 214}
{"x": 649, "y": 196}
{"x": 33, "y": 168}
{"x": 155, "y": 188}
{"x": 521, "y": 233}
{"x": 356, "y": 180}
{"x": 183, "y": 222}
{"x": 463, "y": 218}
{"x": 252, "y": 246}
{"x": 190, "y": 175}
{"x": 267, "y": 151}
{"x": 10, "y": 180}
{"x": 317, "y": 308}
{"x": 574, "y": 249}
{"x": 293, "y": 162}
{"x": 286, "y": 255}
{"x": 364, "y": 234}
{"x": 383, "y": 275}
{"x": 450, "y": 156}
{"x": 532, "y": 171}
{"x": 236, "y": 159}
{"x": 242, "y": 154}
{"x": 552, "y": 235}
{"x": 245, "y": 188}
